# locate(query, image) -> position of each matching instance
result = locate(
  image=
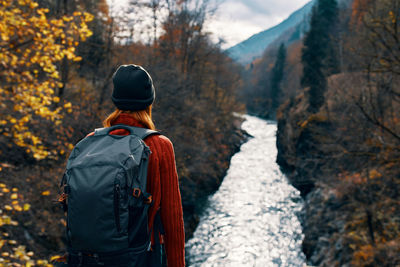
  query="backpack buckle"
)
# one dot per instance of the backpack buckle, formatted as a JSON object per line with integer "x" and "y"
{"x": 63, "y": 201}
{"x": 63, "y": 198}
{"x": 148, "y": 200}
{"x": 136, "y": 192}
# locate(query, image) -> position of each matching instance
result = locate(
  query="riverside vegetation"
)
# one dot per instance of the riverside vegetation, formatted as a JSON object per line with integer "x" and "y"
{"x": 335, "y": 94}
{"x": 338, "y": 129}
{"x": 56, "y": 63}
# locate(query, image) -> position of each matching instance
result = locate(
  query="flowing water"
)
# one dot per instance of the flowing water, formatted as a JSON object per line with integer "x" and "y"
{"x": 252, "y": 219}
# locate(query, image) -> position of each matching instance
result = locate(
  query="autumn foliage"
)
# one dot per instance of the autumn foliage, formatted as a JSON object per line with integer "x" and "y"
{"x": 31, "y": 47}
{"x": 56, "y": 64}
{"x": 32, "y": 44}
{"x": 345, "y": 157}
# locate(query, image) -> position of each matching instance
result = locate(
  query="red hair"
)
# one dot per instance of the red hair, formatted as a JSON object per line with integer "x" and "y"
{"x": 142, "y": 116}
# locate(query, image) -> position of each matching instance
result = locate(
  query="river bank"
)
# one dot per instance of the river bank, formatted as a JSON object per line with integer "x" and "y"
{"x": 203, "y": 182}
{"x": 350, "y": 198}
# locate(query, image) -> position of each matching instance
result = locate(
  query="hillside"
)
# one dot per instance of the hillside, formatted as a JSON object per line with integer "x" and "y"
{"x": 252, "y": 48}
{"x": 342, "y": 150}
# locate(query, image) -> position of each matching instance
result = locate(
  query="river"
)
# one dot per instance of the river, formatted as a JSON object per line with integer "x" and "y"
{"x": 252, "y": 220}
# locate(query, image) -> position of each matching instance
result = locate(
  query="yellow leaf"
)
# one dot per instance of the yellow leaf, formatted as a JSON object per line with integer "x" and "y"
{"x": 88, "y": 17}
{"x": 18, "y": 208}
{"x": 46, "y": 193}
{"x": 17, "y": 108}
{"x": 27, "y": 206}
{"x": 33, "y": 5}
{"x": 56, "y": 257}
{"x": 77, "y": 58}
{"x": 14, "y": 196}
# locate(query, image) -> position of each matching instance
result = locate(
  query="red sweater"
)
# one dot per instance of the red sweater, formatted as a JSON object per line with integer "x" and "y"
{"x": 163, "y": 185}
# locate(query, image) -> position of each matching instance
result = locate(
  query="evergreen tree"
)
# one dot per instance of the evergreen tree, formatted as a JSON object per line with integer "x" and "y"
{"x": 277, "y": 76}
{"x": 329, "y": 18}
{"x": 319, "y": 56}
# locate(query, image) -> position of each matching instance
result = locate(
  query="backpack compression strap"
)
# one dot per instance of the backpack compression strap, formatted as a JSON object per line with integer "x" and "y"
{"x": 142, "y": 133}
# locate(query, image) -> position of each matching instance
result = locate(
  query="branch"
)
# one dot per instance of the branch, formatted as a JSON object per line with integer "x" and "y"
{"x": 17, "y": 45}
{"x": 376, "y": 122}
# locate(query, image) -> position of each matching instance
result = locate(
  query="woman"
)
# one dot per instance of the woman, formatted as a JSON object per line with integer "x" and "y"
{"x": 133, "y": 96}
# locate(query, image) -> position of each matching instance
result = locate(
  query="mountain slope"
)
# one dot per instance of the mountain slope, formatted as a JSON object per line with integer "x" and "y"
{"x": 246, "y": 51}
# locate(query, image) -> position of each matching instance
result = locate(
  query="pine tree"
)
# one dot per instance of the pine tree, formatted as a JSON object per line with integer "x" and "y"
{"x": 277, "y": 76}
{"x": 329, "y": 18}
{"x": 319, "y": 56}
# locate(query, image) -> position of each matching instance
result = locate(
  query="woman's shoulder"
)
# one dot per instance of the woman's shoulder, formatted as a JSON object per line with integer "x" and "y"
{"x": 159, "y": 139}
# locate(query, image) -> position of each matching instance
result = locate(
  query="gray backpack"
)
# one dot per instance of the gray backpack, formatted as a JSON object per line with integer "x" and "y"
{"x": 104, "y": 194}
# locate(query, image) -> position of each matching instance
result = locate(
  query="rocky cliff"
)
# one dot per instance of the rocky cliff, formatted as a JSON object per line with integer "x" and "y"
{"x": 350, "y": 209}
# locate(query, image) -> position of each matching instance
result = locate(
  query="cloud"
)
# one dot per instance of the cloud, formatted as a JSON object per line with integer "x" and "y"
{"x": 230, "y": 31}
{"x": 237, "y": 20}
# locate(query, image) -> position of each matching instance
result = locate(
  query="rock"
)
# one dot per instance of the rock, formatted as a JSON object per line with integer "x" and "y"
{"x": 301, "y": 140}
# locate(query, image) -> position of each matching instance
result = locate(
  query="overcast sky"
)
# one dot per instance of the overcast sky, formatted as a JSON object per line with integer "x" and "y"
{"x": 237, "y": 20}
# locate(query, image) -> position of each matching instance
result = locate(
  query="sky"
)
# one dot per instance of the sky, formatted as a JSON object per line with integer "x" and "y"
{"x": 236, "y": 20}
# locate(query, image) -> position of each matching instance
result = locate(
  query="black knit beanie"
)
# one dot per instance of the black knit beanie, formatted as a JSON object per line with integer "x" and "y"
{"x": 133, "y": 88}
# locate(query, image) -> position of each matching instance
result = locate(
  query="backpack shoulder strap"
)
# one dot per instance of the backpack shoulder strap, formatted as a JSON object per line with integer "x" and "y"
{"x": 142, "y": 133}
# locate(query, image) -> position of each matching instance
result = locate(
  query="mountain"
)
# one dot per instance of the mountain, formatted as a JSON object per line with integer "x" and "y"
{"x": 252, "y": 48}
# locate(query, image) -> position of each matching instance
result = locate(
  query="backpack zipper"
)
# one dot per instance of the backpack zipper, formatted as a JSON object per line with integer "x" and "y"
{"x": 117, "y": 197}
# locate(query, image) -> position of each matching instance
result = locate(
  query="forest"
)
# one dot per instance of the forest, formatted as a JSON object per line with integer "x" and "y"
{"x": 338, "y": 98}
{"x": 332, "y": 87}
{"x": 56, "y": 64}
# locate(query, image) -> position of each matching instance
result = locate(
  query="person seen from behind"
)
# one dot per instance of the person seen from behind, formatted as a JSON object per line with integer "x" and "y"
{"x": 133, "y": 96}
